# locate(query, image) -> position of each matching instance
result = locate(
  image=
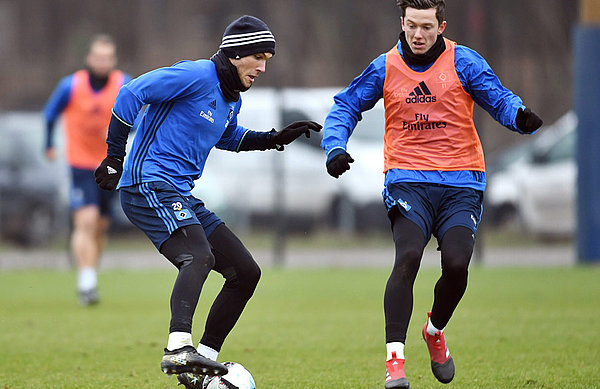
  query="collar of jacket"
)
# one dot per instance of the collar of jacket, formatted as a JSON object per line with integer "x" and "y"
{"x": 231, "y": 85}
{"x": 421, "y": 59}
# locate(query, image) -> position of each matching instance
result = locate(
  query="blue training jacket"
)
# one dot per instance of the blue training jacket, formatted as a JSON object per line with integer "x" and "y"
{"x": 187, "y": 115}
{"x": 476, "y": 77}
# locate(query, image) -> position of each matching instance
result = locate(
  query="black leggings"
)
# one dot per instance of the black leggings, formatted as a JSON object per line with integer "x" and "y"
{"x": 195, "y": 255}
{"x": 456, "y": 247}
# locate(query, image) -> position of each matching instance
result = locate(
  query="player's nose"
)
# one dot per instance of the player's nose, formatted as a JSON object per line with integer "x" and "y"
{"x": 262, "y": 67}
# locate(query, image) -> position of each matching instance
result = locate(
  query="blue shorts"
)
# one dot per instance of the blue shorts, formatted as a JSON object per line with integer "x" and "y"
{"x": 436, "y": 208}
{"x": 158, "y": 209}
{"x": 84, "y": 191}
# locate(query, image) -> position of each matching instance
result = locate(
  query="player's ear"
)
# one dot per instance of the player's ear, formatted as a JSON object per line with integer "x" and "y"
{"x": 442, "y": 27}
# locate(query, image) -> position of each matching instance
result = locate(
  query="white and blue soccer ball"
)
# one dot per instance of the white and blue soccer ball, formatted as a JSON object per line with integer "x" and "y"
{"x": 238, "y": 377}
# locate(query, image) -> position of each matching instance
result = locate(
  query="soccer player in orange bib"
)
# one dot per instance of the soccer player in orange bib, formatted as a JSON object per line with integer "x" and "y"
{"x": 433, "y": 164}
{"x": 85, "y": 99}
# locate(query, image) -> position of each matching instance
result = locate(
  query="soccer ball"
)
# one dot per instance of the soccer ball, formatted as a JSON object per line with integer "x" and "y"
{"x": 237, "y": 378}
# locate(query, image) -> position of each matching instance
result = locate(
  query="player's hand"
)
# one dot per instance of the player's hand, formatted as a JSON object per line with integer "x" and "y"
{"x": 109, "y": 172}
{"x": 290, "y": 133}
{"x": 51, "y": 154}
{"x": 527, "y": 122}
{"x": 339, "y": 164}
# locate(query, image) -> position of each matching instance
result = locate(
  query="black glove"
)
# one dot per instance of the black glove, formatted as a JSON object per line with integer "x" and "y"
{"x": 527, "y": 121}
{"x": 339, "y": 164}
{"x": 109, "y": 172}
{"x": 289, "y": 134}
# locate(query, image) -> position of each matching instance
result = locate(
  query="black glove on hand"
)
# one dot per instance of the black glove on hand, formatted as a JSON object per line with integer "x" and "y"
{"x": 527, "y": 121}
{"x": 339, "y": 164}
{"x": 109, "y": 172}
{"x": 289, "y": 134}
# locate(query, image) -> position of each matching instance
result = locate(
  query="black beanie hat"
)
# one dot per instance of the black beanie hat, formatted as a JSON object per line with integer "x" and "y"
{"x": 246, "y": 36}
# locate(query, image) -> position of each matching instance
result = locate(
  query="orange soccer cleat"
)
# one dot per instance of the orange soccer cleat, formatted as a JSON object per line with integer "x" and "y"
{"x": 442, "y": 364}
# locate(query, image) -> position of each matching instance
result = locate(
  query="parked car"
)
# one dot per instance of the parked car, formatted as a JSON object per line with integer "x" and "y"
{"x": 532, "y": 186}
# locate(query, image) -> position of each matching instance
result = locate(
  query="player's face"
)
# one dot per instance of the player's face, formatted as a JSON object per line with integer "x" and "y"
{"x": 251, "y": 66}
{"x": 101, "y": 59}
{"x": 422, "y": 28}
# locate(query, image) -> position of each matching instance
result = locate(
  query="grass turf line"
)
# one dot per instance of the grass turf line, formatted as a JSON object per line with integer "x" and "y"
{"x": 515, "y": 328}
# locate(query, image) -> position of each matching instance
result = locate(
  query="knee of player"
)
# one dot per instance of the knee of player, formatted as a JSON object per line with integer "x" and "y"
{"x": 455, "y": 264}
{"x": 406, "y": 267}
{"x": 245, "y": 277}
{"x": 198, "y": 260}
{"x": 205, "y": 259}
{"x": 89, "y": 227}
{"x": 252, "y": 275}
{"x": 455, "y": 269}
{"x": 408, "y": 260}
{"x": 456, "y": 258}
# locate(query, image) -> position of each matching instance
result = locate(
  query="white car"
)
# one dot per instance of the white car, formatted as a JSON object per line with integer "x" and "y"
{"x": 254, "y": 186}
{"x": 535, "y": 185}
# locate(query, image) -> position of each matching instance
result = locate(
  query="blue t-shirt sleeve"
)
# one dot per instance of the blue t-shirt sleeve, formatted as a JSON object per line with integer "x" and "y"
{"x": 58, "y": 99}
{"x": 479, "y": 80}
{"x": 361, "y": 95}
{"x": 157, "y": 86}
{"x": 55, "y": 105}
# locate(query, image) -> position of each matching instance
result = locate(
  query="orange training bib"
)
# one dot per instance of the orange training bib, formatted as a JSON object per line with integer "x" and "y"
{"x": 429, "y": 117}
{"x": 86, "y": 119}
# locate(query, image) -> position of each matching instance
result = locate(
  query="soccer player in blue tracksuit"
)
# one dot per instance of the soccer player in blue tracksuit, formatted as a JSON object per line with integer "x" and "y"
{"x": 433, "y": 162}
{"x": 192, "y": 107}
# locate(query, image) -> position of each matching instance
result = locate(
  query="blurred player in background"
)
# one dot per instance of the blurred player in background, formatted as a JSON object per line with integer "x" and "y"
{"x": 192, "y": 107}
{"x": 434, "y": 164}
{"x": 85, "y": 99}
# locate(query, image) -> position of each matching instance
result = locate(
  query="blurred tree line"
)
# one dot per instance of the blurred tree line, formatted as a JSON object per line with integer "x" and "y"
{"x": 319, "y": 42}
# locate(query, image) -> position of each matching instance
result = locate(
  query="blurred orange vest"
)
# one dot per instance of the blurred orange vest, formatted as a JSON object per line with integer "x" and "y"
{"x": 86, "y": 118}
{"x": 429, "y": 117}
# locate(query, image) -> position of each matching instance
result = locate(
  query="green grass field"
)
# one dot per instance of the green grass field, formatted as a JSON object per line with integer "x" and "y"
{"x": 515, "y": 328}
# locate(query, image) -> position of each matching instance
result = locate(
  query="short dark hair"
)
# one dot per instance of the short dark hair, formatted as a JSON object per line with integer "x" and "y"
{"x": 103, "y": 39}
{"x": 439, "y": 5}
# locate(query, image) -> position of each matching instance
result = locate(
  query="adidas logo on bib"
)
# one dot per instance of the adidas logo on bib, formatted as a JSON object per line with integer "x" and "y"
{"x": 421, "y": 94}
